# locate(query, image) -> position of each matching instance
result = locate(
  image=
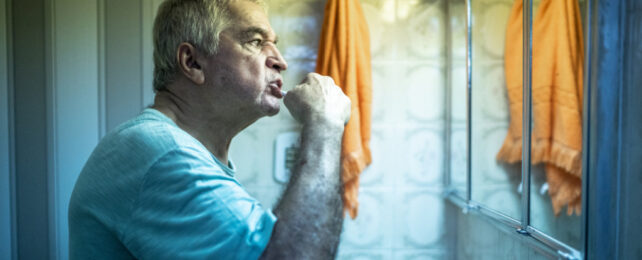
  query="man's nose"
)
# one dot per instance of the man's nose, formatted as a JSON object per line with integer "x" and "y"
{"x": 275, "y": 60}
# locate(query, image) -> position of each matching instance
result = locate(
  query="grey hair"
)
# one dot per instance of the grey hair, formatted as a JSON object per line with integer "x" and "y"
{"x": 198, "y": 22}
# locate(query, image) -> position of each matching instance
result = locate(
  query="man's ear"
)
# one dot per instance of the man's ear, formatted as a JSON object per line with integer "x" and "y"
{"x": 188, "y": 63}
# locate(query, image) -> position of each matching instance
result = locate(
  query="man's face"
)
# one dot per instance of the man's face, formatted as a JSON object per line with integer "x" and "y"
{"x": 246, "y": 69}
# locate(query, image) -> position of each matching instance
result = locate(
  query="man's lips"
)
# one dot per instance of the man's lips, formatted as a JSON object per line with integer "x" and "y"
{"x": 275, "y": 88}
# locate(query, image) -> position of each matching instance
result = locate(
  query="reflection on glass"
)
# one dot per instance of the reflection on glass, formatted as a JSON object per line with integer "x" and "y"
{"x": 496, "y": 183}
{"x": 557, "y": 119}
{"x": 457, "y": 96}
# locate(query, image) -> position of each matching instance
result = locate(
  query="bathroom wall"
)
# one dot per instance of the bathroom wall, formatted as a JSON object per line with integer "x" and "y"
{"x": 73, "y": 80}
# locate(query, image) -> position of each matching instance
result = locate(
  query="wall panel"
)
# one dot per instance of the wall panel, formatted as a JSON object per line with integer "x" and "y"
{"x": 149, "y": 8}
{"x": 74, "y": 86}
{"x": 124, "y": 76}
{"x": 29, "y": 78}
{"x": 5, "y": 179}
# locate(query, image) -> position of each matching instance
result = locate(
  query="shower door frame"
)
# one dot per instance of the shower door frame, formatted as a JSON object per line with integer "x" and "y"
{"x": 521, "y": 228}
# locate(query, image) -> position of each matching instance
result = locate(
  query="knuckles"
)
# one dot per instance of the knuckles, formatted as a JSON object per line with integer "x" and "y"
{"x": 318, "y": 95}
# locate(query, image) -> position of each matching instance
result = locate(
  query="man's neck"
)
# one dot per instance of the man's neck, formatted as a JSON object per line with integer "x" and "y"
{"x": 213, "y": 130}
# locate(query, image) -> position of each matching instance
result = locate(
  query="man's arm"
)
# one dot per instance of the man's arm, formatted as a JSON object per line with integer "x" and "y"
{"x": 311, "y": 210}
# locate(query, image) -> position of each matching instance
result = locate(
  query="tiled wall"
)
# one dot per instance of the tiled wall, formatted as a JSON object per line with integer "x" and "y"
{"x": 494, "y": 183}
{"x": 401, "y": 213}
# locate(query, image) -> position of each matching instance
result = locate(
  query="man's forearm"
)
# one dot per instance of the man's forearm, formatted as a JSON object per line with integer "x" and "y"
{"x": 311, "y": 210}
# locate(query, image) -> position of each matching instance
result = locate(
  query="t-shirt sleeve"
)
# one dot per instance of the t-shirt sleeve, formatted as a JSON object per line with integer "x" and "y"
{"x": 189, "y": 208}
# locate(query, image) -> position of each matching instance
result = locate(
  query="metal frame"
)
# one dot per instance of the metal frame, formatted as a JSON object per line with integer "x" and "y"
{"x": 469, "y": 82}
{"x": 533, "y": 237}
{"x": 586, "y": 123}
{"x": 527, "y": 121}
{"x": 448, "y": 110}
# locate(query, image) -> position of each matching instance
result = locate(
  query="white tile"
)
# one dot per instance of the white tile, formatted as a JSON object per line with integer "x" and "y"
{"x": 423, "y": 93}
{"x": 487, "y": 172}
{"x": 373, "y": 226}
{"x": 487, "y": 142}
{"x": 490, "y": 97}
{"x": 381, "y": 18}
{"x": 421, "y": 164}
{"x": 380, "y": 173}
{"x": 248, "y": 165}
{"x": 419, "y": 220}
{"x": 385, "y": 93}
{"x": 490, "y": 27}
{"x": 424, "y": 25}
{"x": 253, "y": 154}
{"x": 298, "y": 24}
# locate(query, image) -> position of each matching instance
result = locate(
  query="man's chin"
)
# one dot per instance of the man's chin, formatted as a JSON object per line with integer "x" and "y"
{"x": 272, "y": 111}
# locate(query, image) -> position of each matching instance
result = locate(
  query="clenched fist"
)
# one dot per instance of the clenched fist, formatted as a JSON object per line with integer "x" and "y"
{"x": 317, "y": 100}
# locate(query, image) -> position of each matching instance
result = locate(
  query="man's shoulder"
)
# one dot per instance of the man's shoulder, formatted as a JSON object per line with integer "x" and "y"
{"x": 150, "y": 132}
{"x": 137, "y": 144}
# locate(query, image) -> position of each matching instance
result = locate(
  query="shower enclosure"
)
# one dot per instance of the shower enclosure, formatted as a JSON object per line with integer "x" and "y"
{"x": 515, "y": 196}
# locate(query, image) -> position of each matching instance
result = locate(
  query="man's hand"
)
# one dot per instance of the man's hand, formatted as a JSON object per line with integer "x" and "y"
{"x": 317, "y": 100}
{"x": 310, "y": 212}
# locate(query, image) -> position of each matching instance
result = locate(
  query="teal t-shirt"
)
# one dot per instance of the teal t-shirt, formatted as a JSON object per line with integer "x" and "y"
{"x": 151, "y": 191}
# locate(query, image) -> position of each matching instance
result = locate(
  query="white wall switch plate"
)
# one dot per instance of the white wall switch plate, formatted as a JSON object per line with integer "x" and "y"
{"x": 286, "y": 148}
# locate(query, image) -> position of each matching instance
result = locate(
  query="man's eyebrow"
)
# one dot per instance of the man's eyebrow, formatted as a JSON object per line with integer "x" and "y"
{"x": 251, "y": 31}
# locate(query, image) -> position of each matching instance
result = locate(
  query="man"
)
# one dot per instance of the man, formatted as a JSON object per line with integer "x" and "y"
{"x": 160, "y": 186}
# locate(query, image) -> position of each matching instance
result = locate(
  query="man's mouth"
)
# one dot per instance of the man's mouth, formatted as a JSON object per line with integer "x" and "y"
{"x": 275, "y": 88}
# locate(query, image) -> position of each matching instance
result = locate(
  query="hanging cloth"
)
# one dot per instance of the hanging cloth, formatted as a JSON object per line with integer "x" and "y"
{"x": 556, "y": 95}
{"x": 344, "y": 55}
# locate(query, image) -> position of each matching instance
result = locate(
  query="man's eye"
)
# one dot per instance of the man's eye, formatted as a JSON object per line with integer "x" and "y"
{"x": 256, "y": 42}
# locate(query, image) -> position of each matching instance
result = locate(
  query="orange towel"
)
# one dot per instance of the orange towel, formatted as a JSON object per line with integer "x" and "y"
{"x": 344, "y": 55}
{"x": 556, "y": 93}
